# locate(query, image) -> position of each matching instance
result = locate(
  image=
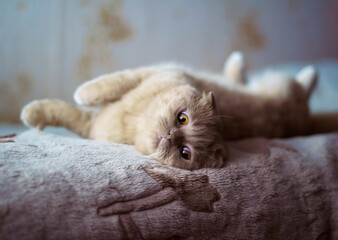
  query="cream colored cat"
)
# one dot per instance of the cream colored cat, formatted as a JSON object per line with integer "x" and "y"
{"x": 180, "y": 117}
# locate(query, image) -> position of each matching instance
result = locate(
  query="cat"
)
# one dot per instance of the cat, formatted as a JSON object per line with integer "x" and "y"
{"x": 180, "y": 117}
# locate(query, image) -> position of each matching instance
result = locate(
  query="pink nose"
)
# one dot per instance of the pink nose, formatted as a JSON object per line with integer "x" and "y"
{"x": 166, "y": 137}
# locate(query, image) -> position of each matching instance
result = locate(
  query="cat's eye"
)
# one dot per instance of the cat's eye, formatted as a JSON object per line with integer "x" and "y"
{"x": 185, "y": 153}
{"x": 183, "y": 118}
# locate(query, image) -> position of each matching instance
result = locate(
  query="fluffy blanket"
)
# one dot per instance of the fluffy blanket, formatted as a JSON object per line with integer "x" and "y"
{"x": 56, "y": 187}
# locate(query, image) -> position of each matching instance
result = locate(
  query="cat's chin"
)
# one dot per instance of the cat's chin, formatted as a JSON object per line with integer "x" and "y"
{"x": 162, "y": 149}
{"x": 164, "y": 145}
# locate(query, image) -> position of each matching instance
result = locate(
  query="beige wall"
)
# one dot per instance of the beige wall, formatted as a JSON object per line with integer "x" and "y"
{"x": 47, "y": 48}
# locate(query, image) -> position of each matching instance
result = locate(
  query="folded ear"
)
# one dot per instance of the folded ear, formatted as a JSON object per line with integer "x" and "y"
{"x": 235, "y": 68}
{"x": 209, "y": 99}
{"x": 307, "y": 77}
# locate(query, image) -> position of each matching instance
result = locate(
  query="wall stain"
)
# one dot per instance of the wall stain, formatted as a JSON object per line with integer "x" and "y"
{"x": 294, "y": 5}
{"x": 109, "y": 27}
{"x": 21, "y": 5}
{"x": 112, "y": 21}
{"x": 84, "y": 3}
{"x": 24, "y": 82}
{"x": 13, "y": 96}
{"x": 248, "y": 35}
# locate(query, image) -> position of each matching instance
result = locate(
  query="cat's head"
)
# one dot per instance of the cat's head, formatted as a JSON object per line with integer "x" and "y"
{"x": 187, "y": 133}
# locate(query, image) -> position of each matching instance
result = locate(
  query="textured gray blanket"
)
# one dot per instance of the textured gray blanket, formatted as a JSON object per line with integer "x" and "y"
{"x": 54, "y": 187}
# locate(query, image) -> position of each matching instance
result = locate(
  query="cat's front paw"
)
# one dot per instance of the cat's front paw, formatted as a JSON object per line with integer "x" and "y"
{"x": 82, "y": 94}
{"x": 106, "y": 88}
{"x": 89, "y": 93}
{"x": 33, "y": 114}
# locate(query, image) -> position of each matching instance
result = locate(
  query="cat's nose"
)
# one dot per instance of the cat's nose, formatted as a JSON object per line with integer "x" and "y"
{"x": 172, "y": 133}
{"x": 166, "y": 137}
{"x": 175, "y": 135}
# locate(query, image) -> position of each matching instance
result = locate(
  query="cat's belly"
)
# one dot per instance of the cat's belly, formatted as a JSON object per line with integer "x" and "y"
{"x": 244, "y": 128}
{"x": 271, "y": 120}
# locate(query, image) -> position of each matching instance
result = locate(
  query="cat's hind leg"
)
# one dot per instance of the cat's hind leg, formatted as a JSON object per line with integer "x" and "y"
{"x": 110, "y": 87}
{"x": 47, "y": 112}
{"x": 307, "y": 77}
{"x": 275, "y": 84}
{"x": 235, "y": 68}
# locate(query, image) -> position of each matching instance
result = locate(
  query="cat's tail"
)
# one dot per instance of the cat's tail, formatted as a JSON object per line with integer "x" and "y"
{"x": 48, "y": 112}
{"x": 323, "y": 122}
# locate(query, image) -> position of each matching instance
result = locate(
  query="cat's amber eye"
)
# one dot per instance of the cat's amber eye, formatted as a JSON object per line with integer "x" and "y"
{"x": 185, "y": 153}
{"x": 183, "y": 118}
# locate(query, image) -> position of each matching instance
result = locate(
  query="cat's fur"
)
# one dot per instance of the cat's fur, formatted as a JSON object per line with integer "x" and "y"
{"x": 141, "y": 107}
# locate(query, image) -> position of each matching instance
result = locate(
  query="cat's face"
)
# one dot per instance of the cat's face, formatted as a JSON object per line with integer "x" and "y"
{"x": 187, "y": 133}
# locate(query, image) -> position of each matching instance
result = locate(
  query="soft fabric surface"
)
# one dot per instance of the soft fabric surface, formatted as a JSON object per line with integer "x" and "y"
{"x": 56, "y": 187}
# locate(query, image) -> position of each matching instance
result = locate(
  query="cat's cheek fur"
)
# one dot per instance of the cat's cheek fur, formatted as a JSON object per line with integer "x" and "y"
{"x": 144, "y": 142}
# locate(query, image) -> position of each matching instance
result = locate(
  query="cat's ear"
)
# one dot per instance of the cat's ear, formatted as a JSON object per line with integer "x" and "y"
{"x": 209, "y": 99}
{"x": 307, "y": 77}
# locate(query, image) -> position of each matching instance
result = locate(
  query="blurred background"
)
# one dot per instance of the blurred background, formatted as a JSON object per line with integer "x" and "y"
{"x": 48, "y": 48}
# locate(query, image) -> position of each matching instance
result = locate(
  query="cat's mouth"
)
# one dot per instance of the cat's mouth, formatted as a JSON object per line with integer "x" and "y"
{"x": 162, "y": 138}
{"x": 162, "y": 145}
